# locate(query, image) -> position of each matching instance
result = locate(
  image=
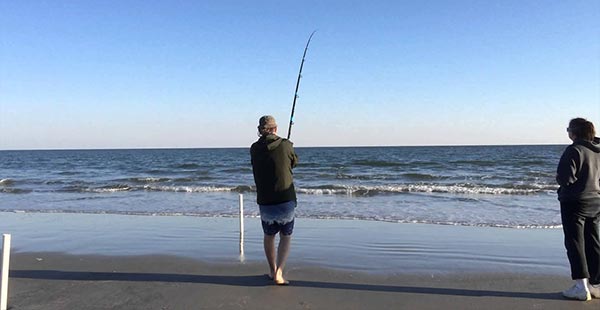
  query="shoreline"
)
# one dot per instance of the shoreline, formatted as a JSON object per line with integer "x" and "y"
{"x": 353, "y": 245}
{"x": 256, "y": 215}
{"x": 350, "y": 245}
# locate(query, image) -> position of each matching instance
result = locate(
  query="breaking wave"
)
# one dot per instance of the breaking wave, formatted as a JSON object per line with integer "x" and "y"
{"x": 153, "y": 185}
{"x": 6, "y": 182}
{"x": 427, "y": 188}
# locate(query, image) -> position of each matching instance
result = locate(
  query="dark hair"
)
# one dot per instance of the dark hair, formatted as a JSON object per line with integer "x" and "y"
{"x": 582, "y": 129}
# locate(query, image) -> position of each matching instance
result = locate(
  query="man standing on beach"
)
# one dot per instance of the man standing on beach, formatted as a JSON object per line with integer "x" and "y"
{"x": 272, "y": 161}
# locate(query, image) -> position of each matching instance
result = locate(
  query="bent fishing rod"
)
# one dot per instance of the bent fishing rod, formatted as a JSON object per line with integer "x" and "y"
{"x": 298, "y": 85}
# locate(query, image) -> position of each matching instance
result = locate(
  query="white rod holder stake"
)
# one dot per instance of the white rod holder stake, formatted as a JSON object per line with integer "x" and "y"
{"x": 241, "y": 227}
{"x": 5, "y": 263}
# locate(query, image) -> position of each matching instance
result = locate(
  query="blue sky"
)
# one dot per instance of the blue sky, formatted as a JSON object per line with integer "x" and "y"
{"x": 130, "y": 74}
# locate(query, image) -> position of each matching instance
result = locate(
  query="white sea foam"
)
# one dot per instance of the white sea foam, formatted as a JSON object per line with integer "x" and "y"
{"x": 109, "y": 189}
{"x": 420, "y": 188}
{"x": 188, "y": 189}
{"x": 6, "y": 182}
{"x": 150, "y": 179}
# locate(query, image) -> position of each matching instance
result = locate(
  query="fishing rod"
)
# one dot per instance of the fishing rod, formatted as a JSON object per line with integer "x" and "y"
{"x": 298, "y": 85}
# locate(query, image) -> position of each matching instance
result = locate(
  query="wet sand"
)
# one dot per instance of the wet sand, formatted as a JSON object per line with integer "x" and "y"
{"x": 96, "y": 261}
{"x": 352, "y": 245}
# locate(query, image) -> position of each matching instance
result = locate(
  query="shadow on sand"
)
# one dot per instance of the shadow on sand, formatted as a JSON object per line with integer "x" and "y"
{"x": 262, "y": 280}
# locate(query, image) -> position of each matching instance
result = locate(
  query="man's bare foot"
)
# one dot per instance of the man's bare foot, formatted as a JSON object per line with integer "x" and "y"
{"x": 282, "y": 281}
{"x": 278, "y": 279}
{"x": 272, "y": 274}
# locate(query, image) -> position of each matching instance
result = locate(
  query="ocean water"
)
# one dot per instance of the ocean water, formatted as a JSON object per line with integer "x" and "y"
{"x": 496, "y": 186}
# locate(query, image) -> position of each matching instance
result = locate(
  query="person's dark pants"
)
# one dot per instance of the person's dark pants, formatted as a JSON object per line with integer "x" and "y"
{"x": 582, "y": 240}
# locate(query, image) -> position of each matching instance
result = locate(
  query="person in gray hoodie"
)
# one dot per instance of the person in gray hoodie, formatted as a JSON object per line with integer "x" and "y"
{"x": 273, "y": 159}
{"x": 578, "y": 175}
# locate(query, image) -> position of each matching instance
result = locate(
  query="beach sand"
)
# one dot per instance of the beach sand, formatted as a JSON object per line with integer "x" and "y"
{"x": 57, "y": 281}
{"x": 83, "y": 261}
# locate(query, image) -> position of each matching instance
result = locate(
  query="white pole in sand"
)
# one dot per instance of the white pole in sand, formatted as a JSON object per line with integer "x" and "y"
{"x": 5, "y": 262}
{"x": 241, "y": 227}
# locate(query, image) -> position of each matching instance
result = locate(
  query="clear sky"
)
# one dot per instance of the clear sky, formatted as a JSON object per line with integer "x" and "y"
{"x": 131, "y": 74}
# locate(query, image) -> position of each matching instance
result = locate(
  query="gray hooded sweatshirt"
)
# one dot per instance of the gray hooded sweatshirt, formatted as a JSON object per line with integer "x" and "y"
{"x": 578, "y": 173}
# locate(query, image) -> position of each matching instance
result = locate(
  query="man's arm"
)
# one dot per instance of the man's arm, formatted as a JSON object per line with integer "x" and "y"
{"x": 566, "y": 173}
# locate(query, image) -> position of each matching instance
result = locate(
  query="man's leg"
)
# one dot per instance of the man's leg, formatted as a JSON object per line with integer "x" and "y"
{"x": 269, "y": 245}
{"x": 282, "y": 255}
{"x": 592, "y": 249}
{"x": 573, "y": 228}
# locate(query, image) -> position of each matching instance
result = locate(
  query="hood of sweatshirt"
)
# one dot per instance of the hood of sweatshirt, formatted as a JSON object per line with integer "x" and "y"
{"x": 594, "y": 146}
{"x": 272, "y": 142}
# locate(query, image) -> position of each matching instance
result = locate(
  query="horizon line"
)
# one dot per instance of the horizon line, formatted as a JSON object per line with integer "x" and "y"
{"x": 297, "y": 147}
